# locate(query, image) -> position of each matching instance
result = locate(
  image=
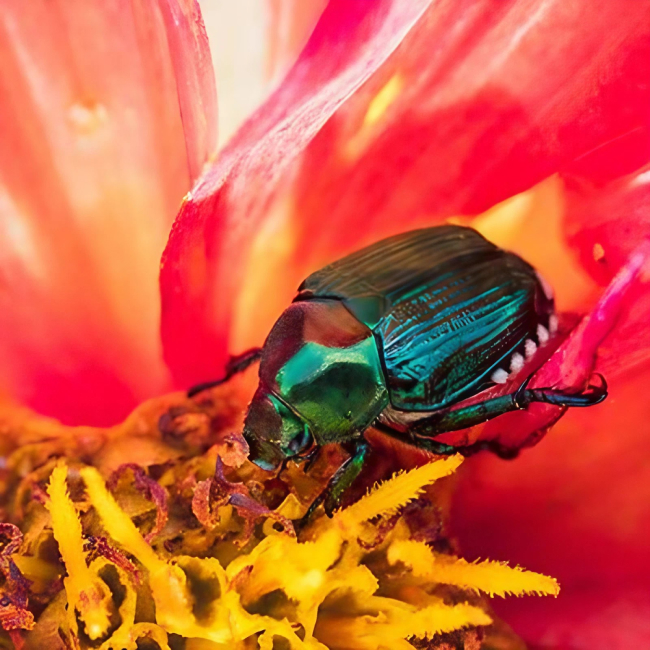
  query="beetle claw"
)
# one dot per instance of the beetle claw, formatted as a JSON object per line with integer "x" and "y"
{"x": 594, "y": 394}
{"x": 521, "y": 398}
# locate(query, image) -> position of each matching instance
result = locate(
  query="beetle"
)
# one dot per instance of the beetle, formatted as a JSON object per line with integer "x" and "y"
{"x": 396, "y": 336}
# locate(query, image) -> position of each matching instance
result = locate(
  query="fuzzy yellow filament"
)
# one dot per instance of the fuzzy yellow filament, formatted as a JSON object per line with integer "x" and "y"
{"x": 325, "y": 592}
{"x": 87, "y": 594}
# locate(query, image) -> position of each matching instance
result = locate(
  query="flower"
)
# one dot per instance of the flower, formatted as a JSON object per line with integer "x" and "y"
{"x": 397, "y": 113}
{"x": 358, "y": 580}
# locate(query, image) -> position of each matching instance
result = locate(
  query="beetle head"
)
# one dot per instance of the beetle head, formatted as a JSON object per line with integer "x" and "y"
{"x": 274, "y": 432}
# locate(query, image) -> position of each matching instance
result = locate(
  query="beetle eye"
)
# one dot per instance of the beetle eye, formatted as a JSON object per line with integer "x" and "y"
{"x": 302, "y": 443}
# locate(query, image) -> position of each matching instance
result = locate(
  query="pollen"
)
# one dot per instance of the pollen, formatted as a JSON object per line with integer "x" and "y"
{"x": 598, "y": 252}
{"x": 188, "y": 550}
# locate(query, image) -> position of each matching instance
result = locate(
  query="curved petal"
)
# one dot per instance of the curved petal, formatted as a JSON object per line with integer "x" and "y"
{"x": 253, "y": 42}
{"x": 193, "y": 76}
{"x": 398, "y": 117}
{"x": 604, "y": 224}
{"x": 292, "y": 22}
{"x": 576, "y": 507}
{"x": 107, "y": 113}
{"x": 211, "y": 242}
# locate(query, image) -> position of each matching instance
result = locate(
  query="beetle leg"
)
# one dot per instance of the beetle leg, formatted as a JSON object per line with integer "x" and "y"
{"x": 310, "y": 459}
{"x": 469, "y": 416}
{"x": 593, "y": 394}
{"x": 236, "y": 364}
{"x": 340, "y": 482}
{"x": 419, "y": 441}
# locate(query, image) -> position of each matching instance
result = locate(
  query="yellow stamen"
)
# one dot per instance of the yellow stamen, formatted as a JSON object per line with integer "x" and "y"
{"x": 493, "y": 578}
{"x": 395, "y": 622}
{"x": 86, "y": 593}
{"x": 391, "y": 495}
{"x": 324, "y": 590}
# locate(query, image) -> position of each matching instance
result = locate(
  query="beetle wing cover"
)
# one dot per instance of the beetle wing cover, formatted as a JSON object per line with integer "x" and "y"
{"x": 447, "y": 306}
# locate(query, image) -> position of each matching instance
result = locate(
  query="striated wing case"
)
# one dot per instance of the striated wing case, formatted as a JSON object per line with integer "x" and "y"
{"x": 446, "y": 306}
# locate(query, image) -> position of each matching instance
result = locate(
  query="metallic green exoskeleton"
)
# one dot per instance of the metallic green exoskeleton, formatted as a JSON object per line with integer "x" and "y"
{"x": 400, "y": 332}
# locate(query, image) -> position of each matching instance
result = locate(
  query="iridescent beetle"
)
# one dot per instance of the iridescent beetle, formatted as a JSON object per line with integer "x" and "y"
{"x": 398, "y": 334}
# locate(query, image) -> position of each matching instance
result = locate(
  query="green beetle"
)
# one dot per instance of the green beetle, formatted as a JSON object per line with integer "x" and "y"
{"x": 395, "y": 336}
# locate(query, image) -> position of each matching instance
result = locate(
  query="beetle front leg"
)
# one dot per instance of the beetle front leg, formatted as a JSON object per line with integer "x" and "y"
{"x": 236, "y": 364}
{"x": 340, "y": 482}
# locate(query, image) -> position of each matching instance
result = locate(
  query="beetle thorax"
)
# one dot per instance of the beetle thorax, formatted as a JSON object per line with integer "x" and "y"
{"x": 320, "y": 368}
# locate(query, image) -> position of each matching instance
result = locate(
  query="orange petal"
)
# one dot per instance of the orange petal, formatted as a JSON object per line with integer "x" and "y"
{"x": 396, "y": 115}
{"x": 107, "y": 113}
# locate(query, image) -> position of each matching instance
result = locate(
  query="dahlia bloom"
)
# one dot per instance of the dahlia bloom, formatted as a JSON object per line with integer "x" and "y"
{"x": 526, "y": 119}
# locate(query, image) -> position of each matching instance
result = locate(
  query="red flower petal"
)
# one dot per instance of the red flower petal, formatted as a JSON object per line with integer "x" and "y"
{"x": 404, "y": 119}
{"x": 292, "y": 22}
{"x": 575, "y": 360}
{"x": 107, "y": 112}
{"x": 576, "y": 507}
{"x": 605, "y": 221}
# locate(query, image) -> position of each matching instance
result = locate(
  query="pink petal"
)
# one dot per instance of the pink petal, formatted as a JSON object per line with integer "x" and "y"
{"x": 575, "y": 360}
{"x": 396, "y": 115}
{"x": 605, "y": 222}
{"x": 107, "y": 113}
{"x": 292, "y": 22}
{"x": 192, "y": 66}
